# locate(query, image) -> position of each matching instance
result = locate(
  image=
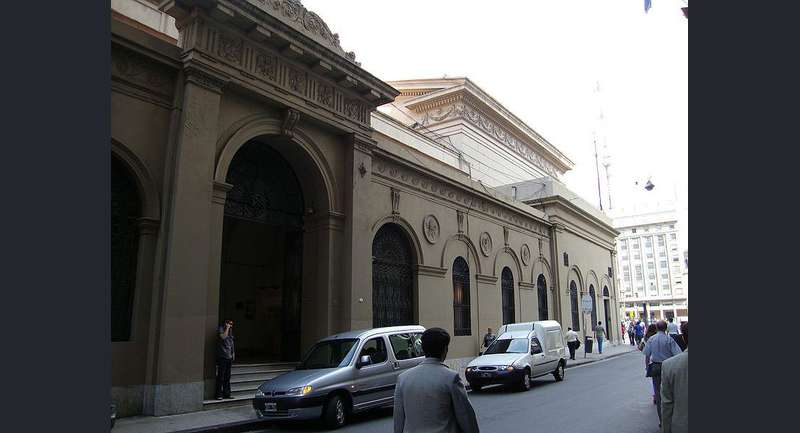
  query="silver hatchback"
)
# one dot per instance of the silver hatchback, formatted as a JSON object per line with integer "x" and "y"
{"x": 342, "y": 374}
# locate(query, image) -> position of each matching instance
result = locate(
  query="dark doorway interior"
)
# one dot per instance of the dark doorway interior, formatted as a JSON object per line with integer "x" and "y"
{"x": 392, "y": 278}
{"x": 261, "y": 277}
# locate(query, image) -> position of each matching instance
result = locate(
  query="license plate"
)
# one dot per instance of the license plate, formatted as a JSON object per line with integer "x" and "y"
{"x": 271, "y": 407}
{"x": 486, "y": 374}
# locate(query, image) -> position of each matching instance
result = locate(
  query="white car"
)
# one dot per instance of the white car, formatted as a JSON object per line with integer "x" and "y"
{"x": 523, "y": 352}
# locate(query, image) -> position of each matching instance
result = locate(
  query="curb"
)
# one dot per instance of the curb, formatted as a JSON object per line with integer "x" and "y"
{"x": 231, "y": 427}
{"x": 600, "y": 359}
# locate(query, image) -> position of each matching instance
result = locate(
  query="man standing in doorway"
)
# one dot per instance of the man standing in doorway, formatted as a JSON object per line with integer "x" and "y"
{"x": 600, "y": 335}
{"x": 225, "y": 356}
{"x": 489, "y": 338}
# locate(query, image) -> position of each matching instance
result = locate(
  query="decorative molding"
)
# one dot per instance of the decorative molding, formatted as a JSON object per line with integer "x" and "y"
{"x": 539, "y": 241}
{"x": 525, "y": 254}
{"x": 220, "y": 192}
{"x": 527, "y": 286}
{"x": 142, "y": 72}
{"x": 505, "y": 235}
{"x": 204, "y": 79}
{"x": 290, "y": 119}
{"x": 458, "y": 108}
{"x": 430, "y": 271}
{"x": 446, "y": 191}
{"x": 489, "y": 279}
{"x": 486, "y": 243}
{"x": 430, "y": 227}
{"x": 362, "y": 169}
{"x": 460, "y": 218}
{"x": 395, "y": 195}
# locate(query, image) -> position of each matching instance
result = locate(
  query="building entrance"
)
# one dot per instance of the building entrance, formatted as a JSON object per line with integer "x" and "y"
{"x": 262, "y": 251}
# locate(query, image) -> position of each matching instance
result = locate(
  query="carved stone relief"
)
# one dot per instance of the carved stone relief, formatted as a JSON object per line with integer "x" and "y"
{"x": 266, "y": 66}
{"x": 505, "y": 235}
{"x": 525, "y": 252}
{"x": 486, "y": 244}
{"x": 430, "y": 227}
{"x": 395, "y": 201}
{"x": 460, "y": 218}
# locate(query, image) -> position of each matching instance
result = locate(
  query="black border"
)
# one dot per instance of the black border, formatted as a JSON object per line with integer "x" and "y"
{"x": 55, "y": 215}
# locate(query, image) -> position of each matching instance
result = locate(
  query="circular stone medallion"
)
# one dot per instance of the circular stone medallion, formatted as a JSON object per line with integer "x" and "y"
{"x": 526, "y": 254}
{"x": 430, "y": 227}
{"x": 486, "y": 244}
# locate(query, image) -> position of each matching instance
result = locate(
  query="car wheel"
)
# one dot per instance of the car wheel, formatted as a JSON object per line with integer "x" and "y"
{"x": 559, "y": 373}
{"x": 526, "y": 380}
{"x": 335, "y": 414}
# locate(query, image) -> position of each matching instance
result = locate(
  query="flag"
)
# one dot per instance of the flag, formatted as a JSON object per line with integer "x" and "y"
{"x": 647, "y": 5}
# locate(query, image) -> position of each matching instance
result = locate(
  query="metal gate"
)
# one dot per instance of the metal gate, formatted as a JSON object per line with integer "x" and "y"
{"x": 392, "y": 278}
{"x": 507, "y": 287}
{"x": 541, "y": 287}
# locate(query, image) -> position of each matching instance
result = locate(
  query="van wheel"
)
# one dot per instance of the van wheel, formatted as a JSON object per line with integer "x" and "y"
{"x": 526, "y": 380}
{"x": 335, "y": 414}
{"x": 559, "y": 373}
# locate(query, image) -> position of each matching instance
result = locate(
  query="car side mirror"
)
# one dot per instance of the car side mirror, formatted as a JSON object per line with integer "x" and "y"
{"x": 364, "y": 360}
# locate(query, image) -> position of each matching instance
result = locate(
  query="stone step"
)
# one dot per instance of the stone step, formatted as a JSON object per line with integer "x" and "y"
{"x": 253, "y": 377}
{"x": 261, "y": 368}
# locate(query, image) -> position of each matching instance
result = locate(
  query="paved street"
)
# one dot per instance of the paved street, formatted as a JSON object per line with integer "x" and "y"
{"x": 606, "y": 396}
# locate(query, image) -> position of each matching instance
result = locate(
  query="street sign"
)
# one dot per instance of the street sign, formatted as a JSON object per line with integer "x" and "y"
{"x": 586, "y": 303}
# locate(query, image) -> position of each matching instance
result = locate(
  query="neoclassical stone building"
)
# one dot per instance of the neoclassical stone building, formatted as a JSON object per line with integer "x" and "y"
{"x": 254, "y": 179}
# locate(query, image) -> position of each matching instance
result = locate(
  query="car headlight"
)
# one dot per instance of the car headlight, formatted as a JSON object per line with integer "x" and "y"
{"x": 506, "y": 367}
{"x": 300, "y": 390}
{"x": 259, "y": 393}
{"x": 470, "y": 368}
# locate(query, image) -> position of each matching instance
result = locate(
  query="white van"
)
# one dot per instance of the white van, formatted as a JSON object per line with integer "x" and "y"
{"x": 522, "y": 352}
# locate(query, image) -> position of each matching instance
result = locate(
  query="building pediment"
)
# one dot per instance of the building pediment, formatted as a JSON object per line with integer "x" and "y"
{"x": 437, "y": 101}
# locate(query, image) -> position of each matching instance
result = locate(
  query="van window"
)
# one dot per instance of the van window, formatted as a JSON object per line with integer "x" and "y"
{"x": 376, "y": 349}
{"x": 554, "y": 340}
{"x": 536, "y": 347}
{"x": 329, "y": 354}
{"x": 406, "y": 346}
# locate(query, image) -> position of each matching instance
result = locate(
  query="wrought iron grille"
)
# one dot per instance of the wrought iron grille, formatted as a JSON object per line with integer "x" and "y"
{"x": 541, "y": 289}
{"x": 265, "y": 188}
{"x": 392, "y": 278}
{"x": 125, "y": 209}
{"x": 507, "y": 288}
{"x": 573, "y": 297}
{"x": 594, "y": 306}
{"x": 461, "y": 303}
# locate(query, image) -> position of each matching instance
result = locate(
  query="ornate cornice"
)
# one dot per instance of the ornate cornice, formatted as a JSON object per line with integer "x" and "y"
{"x": 430, "y": 271}
{"x": 143, "y": 73}
{"x": 476, "y": 204}
{"x": 527, "y": 286}
{"x": 489, "y": 279}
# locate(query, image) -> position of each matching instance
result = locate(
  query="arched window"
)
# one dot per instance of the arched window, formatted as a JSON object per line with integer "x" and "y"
{"x": 507, "y": 288}
{"x": 573, "y": 297}
{"x": 607, "y": 311}
{"x": 541, "y": 288}
{"x": 461, "y": 308}
{"x": 125, "y": 211}
{"x": 392, "y": 283}
{"x": 594, "y": 306}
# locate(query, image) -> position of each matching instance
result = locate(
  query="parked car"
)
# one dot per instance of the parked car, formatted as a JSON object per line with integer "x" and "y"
{"x": 342, "y": 374}
{"x": 523, "y": 352}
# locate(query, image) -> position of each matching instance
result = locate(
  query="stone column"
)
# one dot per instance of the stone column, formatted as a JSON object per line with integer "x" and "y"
{"x": 491, "y": 304}
{"x": 357, "y": 265}
{"x": 182, "y": 332}
{"x": 555, "y": 260}
{"x": 148, "y": 238}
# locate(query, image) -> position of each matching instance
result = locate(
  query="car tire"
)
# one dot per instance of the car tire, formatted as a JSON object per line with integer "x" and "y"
{"x": 559, "y": 372}
{"x": 526, "y": 381}
{"x": 335, "y": 413}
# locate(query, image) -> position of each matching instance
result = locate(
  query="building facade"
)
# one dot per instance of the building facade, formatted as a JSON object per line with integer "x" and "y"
{"x": 254, "y": 179}
{"x": 653, "y": 278}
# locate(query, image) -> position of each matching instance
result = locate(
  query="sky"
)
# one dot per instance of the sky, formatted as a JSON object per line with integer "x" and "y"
{"x": 543, "y": 60}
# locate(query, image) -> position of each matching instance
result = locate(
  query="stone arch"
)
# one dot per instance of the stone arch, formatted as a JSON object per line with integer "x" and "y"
{"x": 151, "y": 206}
{"x": 576, "y": 274}
{"x": 416, "y": 246}
{"x": 470, "y": 246}
{"x": 299, "y": 149}
{"x": 543, "y": 268}
{"x": 591, "y": 278}
{"x": 514, "y": 257}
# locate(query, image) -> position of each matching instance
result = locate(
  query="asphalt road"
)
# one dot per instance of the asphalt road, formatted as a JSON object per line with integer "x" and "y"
{"x": 605, "y": 396}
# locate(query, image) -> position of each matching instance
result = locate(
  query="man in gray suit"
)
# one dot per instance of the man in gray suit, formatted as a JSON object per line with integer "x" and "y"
{"x": 675, "y": 390}
{"x": 430, "y": 398}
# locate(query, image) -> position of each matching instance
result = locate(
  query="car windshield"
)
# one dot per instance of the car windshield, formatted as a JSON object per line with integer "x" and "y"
{"x": 329, "y": 354}
{"x": 516, "y": 345}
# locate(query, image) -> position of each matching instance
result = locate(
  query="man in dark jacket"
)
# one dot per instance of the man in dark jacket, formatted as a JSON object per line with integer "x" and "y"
{"x": 225, "y": 356}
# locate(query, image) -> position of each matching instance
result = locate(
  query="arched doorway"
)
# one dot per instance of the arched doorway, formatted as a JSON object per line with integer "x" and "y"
{"x": 126, "y": 208}
{"x": 262, "y": 251}
{"x": 462, "y": 316}
{"x": 594, "y": 307}
{"x": 392, "y": 278}
{"x": 541, "y": 289}
{"x": 507, "y": 289}
{"x": 573, "y": 297}
{"x": 607, "y": 311}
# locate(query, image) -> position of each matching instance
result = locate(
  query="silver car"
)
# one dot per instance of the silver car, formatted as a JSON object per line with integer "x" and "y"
{"x": 342, "y": 374}
{"x": 524, "y": 351}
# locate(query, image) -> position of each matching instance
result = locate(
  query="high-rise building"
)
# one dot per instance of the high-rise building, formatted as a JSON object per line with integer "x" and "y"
{"x": 652, "y": 274}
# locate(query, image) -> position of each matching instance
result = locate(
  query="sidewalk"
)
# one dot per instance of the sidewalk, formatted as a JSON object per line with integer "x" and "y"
{"x": 241, "y": 418}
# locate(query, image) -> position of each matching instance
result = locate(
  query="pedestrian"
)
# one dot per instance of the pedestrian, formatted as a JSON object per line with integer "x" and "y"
{"x": 638, "y": 330}
{"x": 675, "y": 389}
{"x": 225, "y": 356}
{"x": 430, "y": 397}
{"x": 489, "y": 338}
{"x": 573, "y": 342}
{"x": 651, "y": 331}
{"x": 631, "y": 332}
{"x": 658, "y": 349}
{"x": 599, "y": 335}
{"x": 622, "y": 333}
{"x": 672, "y": 330}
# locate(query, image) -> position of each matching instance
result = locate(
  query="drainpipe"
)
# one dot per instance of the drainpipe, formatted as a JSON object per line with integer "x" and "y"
{"x": 556, "y": 265}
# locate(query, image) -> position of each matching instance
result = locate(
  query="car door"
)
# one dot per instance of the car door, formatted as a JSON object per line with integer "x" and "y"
{"x": 407, "y": 350}
{"x": 538, "y": 360}
{"x": 374, "y": 382}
